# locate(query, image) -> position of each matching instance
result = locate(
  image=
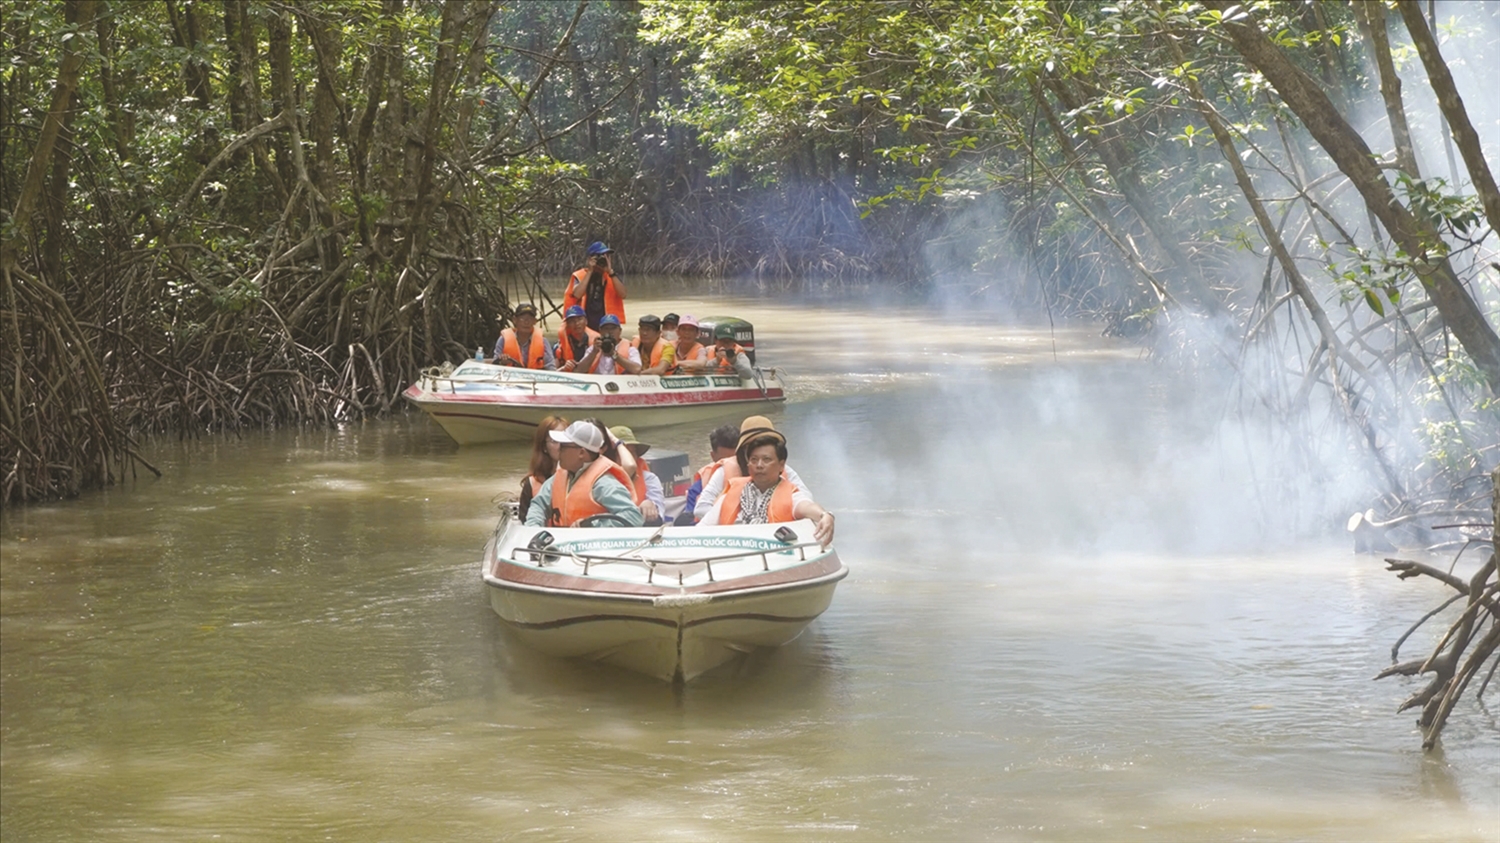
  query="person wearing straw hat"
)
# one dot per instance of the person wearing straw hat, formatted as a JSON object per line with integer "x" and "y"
{"x": 523, "y": 345}
{"x": 586, "y": 484}
{"x": 717, "y": 475}
{"x": 649, "y": 494}
{"x": 764, "y": 493}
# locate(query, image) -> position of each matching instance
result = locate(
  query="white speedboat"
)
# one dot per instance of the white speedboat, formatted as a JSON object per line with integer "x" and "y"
{"x": 481, "y": 402}
{"x": 669, "y": 602}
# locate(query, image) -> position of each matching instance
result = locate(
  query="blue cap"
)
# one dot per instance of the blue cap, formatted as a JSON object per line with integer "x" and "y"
{"x": 598, "y": 248}
{"x": 609, "y": 319}
{"x": 575, "y": 310}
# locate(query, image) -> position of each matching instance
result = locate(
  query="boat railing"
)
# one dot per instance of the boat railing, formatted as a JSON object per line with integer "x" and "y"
{"x": 435, "y": 378}
{"x": 544, "y": 556}
{"x": 453, "y": 382}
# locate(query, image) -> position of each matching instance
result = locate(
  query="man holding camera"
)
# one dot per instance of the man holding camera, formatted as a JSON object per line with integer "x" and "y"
{"x": 609, "y": 355}
{"x": 729, "y": 358}
{"x": 596, "y": 289}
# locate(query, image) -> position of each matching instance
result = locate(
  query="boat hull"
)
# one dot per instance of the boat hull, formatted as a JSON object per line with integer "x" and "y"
{"x": 482, "y": 403}
{"x": 668, "y": 631}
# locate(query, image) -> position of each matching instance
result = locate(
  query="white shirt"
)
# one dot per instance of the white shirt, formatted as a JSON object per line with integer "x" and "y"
{"x": 715, "y": 487}
{"x": 655, "y": 493}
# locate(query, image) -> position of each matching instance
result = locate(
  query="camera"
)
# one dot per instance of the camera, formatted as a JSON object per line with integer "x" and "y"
{"x": 607, "y": 346}
{"x": 600, "y": 260}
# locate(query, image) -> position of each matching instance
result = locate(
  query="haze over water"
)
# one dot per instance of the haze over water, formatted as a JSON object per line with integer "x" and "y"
{"x": 1075, "y": 612}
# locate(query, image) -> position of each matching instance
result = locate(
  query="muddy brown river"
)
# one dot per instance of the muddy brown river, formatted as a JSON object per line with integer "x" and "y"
{"x": 1083, "y": 605}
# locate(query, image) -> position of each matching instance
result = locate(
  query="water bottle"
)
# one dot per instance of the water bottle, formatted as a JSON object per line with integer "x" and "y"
{"x": 479, "y": 354}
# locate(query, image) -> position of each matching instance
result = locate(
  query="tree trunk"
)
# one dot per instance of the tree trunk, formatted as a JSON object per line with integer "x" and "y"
{"x": 1371, "y": 19}
{"x": 1349, "y": 151}
{"x": 52, "y": 127}
{"x": 279, "y": 36}
{"x": 188, "y": 35}
{"x": 1453, "y": 109}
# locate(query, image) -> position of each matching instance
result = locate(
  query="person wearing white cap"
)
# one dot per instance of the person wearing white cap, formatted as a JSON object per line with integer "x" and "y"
{"x": 691, "y": 356}
{"x": 591, "y": 484}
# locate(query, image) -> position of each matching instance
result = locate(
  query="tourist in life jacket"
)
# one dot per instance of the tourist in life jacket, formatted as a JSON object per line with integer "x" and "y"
{"x": 729, "y": 358}
{"x": 610, "y": 355}
{"x": 656, "y": 353}
{"x": 669, "y": 327}
{"x": 586, "y": 484}
{"x": 650, "y": 496}
{"x": 524, "y": 345}
{"x": 764, "y": 494}
{"x": 596, "y": 288}
{"x": 543, "y": 460}
{"x": 717, "y": 475}
{"x": 721, "y": 444}
{"x": 692, "y": 358}
{"x": 574, "y": 340}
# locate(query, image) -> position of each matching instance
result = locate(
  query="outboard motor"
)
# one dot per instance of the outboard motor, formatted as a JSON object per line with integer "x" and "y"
{"x": 744, "y": 332}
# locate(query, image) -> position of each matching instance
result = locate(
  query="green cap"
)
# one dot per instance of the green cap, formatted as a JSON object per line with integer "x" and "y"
{"x": 724, "y": 331}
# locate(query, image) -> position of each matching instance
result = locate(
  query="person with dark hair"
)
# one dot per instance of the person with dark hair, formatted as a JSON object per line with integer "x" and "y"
{"x": 524, "y": 345}
{"x": 543, "y": 460}
{"x": 574, "y": 341}
{"x": 596, "y": 288}
{"x": 728, "y": 357}
{"x": 721, "y": 444}
{"x": 650, "y": 496}
{"x": 763, "y": 494}
{"x": 610, "y": 355}
{"x": 656, "y": 353}
{"x": 586, "y": 484}
{"x": 721, "y": 472}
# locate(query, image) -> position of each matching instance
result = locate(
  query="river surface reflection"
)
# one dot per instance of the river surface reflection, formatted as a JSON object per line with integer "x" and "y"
{"x": 1068, "y": 618}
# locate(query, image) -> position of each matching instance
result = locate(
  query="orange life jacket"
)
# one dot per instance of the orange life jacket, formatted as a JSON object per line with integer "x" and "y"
{"x": 707, "y": 472}
{"x": 565, "y": 347}
{"x": 655, "y": 351}
{"x": 779, "y": 510}
{"x": 691, "y": 353}
{"x": 614, "y": 303}
{"x": 534, "y": 357}
{"x": 727, "y": 366}
{"x": 578, "y": 502}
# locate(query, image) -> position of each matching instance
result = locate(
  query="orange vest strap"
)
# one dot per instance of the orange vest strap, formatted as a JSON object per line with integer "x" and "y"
{"x": 565, "y": 348}
{"x": 685, "y": 355}
{"x": 728, "y": 366}
{"x": 534, "y": 357}
{"x": 655, "y": 352}
{"x": 779, "y": 511}
{"x": 578, "y": 502}
{"x": 578, "y": 285}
